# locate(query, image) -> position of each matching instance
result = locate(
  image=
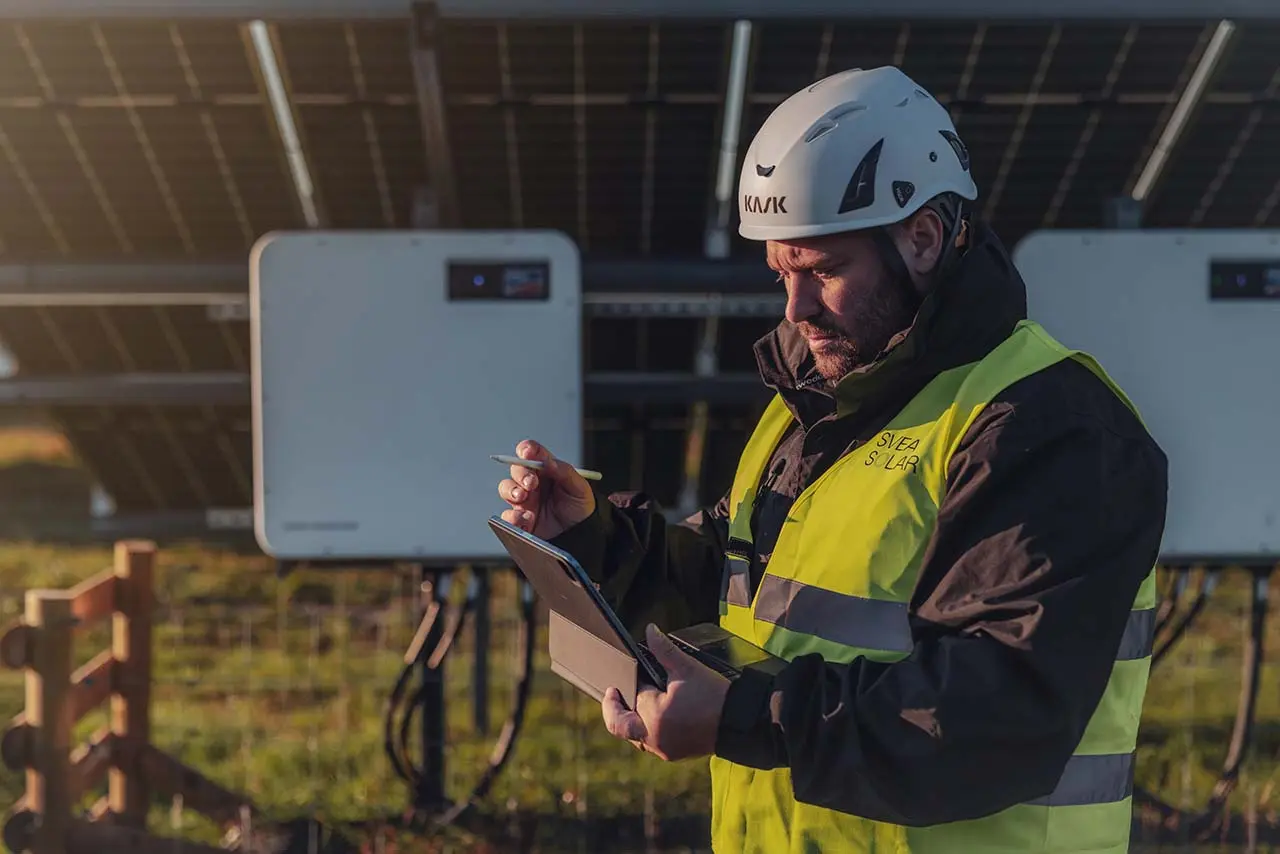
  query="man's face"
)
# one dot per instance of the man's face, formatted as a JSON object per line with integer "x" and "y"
{"x": 840, "y": 297}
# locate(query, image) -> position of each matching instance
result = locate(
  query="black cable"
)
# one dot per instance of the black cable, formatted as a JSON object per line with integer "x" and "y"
{"x": 396, "y": 735}
{"x": 454, "y": 618}
{"x": 1173, "y": 590}
{"x": 400, "y": 762}
{"x": 506, "y": 741}
{"x": 1208, "y": 582}
{"x": 1213, "y": 819}
{"x": 1242, "y": 734}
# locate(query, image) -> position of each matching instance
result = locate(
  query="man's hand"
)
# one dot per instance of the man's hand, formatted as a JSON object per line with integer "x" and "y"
{"x": 545, "y": 503}
{"x": 679, "y": 723}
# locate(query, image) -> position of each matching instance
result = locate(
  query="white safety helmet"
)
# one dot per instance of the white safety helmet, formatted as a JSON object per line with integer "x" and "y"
{"x": 859, "y": 149}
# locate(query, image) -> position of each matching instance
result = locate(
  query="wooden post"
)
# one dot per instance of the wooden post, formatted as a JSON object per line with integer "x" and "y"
{"x": 48, "y": 682}
{"x": 127, "y": 791}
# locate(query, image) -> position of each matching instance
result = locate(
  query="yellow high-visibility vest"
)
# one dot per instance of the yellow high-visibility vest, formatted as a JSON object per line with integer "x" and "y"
{"x": 838, "y": 582}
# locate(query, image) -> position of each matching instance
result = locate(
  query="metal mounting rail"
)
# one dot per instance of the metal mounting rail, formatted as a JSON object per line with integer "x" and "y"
{"x": 233, "y": 389}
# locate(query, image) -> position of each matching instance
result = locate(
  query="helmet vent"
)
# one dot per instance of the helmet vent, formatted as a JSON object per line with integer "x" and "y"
{"x": 820, "y": 129}
{"x": 840, "y": 112}
{"x": 903, "y": 102}
{"x": 830, "y": 121}
{"x": 962, "y": 153}
{"x": 861, "y": 191}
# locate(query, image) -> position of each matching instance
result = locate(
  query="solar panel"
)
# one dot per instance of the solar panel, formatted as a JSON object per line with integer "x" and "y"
{"x": 122, "y": 339}
{"x": 165, "y": 458}
{"x": 136, "y": 139}
{"x": 155, "y": 140}
{"x": 150, "y": 458}
{"x": 603, "y": 131}
{"x": 352, "y": 87}
{"x": 1225, "y": 175}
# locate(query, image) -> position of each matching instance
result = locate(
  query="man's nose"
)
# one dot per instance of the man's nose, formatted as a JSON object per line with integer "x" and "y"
{"x": 802, "y": 298}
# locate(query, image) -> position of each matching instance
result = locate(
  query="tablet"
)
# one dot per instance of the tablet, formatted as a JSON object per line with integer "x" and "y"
{"x": 588, "y": 644}
{"x": 590, "y": 647}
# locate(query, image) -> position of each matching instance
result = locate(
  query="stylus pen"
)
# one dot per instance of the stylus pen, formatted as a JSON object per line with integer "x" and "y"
{"x": 535, "y": 464}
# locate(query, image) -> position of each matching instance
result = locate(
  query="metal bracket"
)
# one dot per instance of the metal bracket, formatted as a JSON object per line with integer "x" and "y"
{"x": 431, "y": 111}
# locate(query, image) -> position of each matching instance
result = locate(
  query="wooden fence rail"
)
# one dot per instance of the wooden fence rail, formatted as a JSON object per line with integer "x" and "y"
{"x": 38, "y": 741}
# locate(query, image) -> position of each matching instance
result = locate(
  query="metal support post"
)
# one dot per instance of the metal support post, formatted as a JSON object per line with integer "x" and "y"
{"x": 435, "y": 132}
{"x": 429, "y": 797}
{"x": 717, "y": 247}
{"x": 480, "y": 664}
{"x": 699, "y": 419}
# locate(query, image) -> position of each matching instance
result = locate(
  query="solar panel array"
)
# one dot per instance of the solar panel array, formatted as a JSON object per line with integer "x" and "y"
{"x": 155, "y": 142}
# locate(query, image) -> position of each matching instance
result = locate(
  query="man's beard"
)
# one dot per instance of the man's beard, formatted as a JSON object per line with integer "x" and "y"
{"x": 881, "y": 315}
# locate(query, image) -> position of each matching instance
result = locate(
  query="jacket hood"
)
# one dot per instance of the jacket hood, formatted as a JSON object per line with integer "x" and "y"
{"x": 960, "y": 321}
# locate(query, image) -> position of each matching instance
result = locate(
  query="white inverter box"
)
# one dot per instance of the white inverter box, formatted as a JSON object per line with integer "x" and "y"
{"x": 1188, "y": 324}
{"x": 387, "y": 367}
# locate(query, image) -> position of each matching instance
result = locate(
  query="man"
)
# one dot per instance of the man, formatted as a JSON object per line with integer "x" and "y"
{"x": 945, "y": 521}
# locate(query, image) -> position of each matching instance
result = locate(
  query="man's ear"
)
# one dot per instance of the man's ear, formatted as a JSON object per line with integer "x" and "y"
{"x": 920, "y": 239}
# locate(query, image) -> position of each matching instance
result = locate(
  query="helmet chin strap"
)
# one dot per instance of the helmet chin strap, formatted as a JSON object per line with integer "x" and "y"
{"x": 955, "y": 221}
{"x": 952, "y": 210}
{"x": 897, "y": 268}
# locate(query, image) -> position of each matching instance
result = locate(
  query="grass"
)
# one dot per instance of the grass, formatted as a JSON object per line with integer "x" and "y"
{"x": 276, "y": 688}
{"x": 282, "y": 697}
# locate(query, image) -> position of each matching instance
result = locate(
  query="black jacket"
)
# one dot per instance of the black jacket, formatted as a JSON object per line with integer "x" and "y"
{"x": 1053, "y": 515}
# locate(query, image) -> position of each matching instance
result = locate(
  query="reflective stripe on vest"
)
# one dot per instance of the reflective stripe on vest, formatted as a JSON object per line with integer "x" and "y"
{"x": 1139, "y": 635}
{"x": 1092, "y": 780}
{"x": 838, "y": 581}
{"x": 876, "y": 624}
{"x": 836, "y": 617}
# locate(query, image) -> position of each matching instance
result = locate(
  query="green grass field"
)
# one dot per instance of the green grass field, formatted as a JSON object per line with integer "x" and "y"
{"x": 276, "y": 688}
{"x": 282, "y": 694}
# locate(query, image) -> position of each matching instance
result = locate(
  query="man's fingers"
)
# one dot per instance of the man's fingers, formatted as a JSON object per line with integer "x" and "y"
{"x": 528, "y": 478}
{"x": 509, "y": 492}
{"x": 555, "y": 472}
{"x": 620, "y": 721}
{"x": 649, "y": 702}
{"x": 554, "y": 468}
{"x": 522, "y": 519}
{"x": 517, "y": 496}
{"x": 531, "y": 450}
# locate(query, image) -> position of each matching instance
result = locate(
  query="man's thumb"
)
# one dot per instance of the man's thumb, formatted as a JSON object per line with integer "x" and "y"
{"x": 672, "y": 657}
